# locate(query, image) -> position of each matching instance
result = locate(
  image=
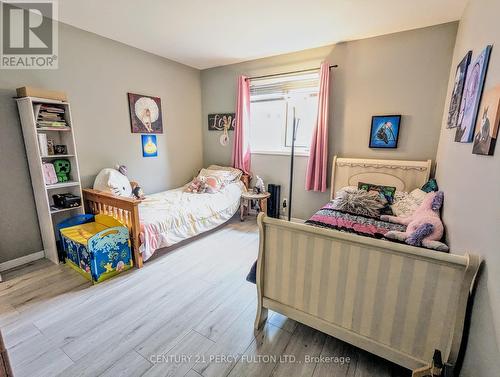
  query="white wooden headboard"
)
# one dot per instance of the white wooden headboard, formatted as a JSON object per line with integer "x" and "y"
{"x": 404, "y": 175}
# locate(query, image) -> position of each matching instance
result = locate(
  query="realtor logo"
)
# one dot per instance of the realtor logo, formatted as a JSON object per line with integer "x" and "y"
{"x": 28, "y": 34}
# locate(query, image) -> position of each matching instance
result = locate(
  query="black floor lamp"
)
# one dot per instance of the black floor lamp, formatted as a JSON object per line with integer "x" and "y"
{"x": 296, "y": 122}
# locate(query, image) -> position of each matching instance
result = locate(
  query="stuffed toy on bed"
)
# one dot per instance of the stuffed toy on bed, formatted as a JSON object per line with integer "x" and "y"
{"x": 116, "y": 182}
{"x": 424, "y": 226}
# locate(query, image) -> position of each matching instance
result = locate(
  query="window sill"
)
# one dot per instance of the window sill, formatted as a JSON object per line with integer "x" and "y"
{"x": 281, "y": 153}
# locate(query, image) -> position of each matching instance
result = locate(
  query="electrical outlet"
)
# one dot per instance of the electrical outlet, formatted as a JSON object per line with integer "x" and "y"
{"x": 285, "y": 201}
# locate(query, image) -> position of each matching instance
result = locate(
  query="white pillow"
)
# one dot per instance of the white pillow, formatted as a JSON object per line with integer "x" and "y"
{"x": 405, "y": 204}
{"x": 114, "y": 182}
{"x": 235, "y": 173}
{"x": 225, "y": 176}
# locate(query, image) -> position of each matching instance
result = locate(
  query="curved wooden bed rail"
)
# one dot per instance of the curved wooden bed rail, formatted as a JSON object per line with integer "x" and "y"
{"x": 394, "y": 300}
{"x": 124, "y": 209}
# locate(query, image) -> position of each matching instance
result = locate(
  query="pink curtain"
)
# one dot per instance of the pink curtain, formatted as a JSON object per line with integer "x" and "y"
{"x": 241, "y": 143}
{"x": 318, "y": 156}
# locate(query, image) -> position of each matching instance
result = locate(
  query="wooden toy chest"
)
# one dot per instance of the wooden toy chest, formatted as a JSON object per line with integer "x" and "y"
{"x": 98, "y": 249}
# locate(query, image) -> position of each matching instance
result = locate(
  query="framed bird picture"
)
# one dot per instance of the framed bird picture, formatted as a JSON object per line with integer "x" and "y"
{"x": 384, "y": 132}
{"x": 145, "y": 114}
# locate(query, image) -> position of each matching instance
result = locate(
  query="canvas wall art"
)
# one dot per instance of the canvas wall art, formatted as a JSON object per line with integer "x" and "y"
{"x": 384, "y": 132}
{"x": 487, "y": 123}
{"x": 149, "y": 146}
{"x": 145, "y": 114}
{"x": 458, "y": 89}
{"x": 221, "y": 122}
{"x": 473, "y": 90}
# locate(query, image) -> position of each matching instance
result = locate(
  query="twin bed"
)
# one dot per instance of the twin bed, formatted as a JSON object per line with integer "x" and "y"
{"x": 394, "y": 300}
{"x": 166, "y": 218}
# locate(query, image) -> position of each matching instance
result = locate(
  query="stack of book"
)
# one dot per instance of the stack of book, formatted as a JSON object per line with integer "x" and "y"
{"x": 50, "y": 116}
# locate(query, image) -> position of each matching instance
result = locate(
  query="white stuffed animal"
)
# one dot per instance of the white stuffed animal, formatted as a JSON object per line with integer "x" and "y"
{"x": 114, "y": 182}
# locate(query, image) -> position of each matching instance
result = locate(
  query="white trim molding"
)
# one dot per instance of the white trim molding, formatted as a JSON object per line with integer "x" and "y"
{"x": 21, "y": 260}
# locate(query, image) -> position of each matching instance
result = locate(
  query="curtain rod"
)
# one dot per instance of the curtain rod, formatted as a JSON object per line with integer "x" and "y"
{"x": 287, "y": 73}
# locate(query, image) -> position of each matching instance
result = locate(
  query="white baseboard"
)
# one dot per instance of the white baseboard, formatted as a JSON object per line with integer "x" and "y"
{"x": 22, "y": 260}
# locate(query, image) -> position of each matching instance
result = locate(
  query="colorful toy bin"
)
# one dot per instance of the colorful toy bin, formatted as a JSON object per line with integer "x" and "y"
{"x": 98, "y": 246}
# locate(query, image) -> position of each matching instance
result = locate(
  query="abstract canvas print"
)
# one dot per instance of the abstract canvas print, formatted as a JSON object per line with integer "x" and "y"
{"x": 473, "y": 90}
{"x": 458, "y": 89}
{"x": 145, "y": 114}
{"x": 384, "y": 132}
{"x": 149, "y": 146}
{"x": 487, "y": 123}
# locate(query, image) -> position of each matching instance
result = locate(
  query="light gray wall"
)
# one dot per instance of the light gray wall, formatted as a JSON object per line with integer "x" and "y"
{"x": 404, "y": 73}
{"x": 97, "y": 73}
{"x": 472, "y": 201}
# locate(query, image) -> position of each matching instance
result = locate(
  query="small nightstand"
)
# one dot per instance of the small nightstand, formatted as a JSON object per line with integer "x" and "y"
{"x": 247, "y": 197}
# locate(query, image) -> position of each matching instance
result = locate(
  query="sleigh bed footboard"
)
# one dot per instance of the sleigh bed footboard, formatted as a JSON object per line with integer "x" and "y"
{"x": 396, "y": 301}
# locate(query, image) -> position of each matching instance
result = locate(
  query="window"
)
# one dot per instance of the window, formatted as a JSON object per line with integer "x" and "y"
{"x": 272, "y": 105}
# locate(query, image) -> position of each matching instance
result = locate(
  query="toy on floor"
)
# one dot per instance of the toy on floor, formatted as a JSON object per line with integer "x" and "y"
{"x": 62, "y": 167}
{"x": 424, "y": 227}
{"x": 98, "y": 249}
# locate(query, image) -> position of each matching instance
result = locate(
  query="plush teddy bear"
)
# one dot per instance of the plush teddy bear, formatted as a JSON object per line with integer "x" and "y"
{"x": 424, "y": 226}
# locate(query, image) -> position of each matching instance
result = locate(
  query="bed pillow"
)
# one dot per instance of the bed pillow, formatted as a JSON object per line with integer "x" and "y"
{"x": 224, "y": 176}
{"x": 359, "y": 202}
{"x": 114, "y": 182}
{"x": 387, "y": 191}
{"x": 231, "y": 173}
{"x": 405, "y": 204}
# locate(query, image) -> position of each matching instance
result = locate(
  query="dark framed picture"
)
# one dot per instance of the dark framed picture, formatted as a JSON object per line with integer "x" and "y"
{"x": 384, "y": 132}
{"x": 458, "y": 89}
{"x": 145, "y": 114}
{"x": 220, "y": 122}
{"x": 487, "y": 123}
{"x": 471, "y": 97}
{"x": 149, "y": 146}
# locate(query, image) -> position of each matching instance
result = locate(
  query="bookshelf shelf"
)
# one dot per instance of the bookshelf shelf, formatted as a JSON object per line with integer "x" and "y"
{"x": 29, "y": 109}
{"x": 62, "y": 129}
{"x": 59, "y": 210}
{"x": 57, "y": 156}
{"x": 62, "y": 185}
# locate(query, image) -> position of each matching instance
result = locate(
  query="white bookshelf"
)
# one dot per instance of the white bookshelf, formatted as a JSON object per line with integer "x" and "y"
{"x": 48, "y": 218}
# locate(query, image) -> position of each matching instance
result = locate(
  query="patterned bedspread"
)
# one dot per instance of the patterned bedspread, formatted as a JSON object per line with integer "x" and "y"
{"x": 328, "y": 217}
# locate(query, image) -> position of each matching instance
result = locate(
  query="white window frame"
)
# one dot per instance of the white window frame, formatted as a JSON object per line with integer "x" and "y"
{"x": 285, "y": 150}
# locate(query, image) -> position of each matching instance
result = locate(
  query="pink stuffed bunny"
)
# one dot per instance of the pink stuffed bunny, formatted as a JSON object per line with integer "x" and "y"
{"x": 424, "y": 227}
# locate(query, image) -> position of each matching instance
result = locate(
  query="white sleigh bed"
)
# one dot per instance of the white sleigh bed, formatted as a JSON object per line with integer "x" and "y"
{"x": 397, "y": 301}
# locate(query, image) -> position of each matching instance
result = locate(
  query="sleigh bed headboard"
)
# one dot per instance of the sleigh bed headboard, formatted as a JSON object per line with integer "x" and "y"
{"x": 404, "y": 175}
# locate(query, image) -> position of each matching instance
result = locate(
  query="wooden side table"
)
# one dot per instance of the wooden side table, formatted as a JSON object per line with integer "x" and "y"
{"x": 247, "y": 197}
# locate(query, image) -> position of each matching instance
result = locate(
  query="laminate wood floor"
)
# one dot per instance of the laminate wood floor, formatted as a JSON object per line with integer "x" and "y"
{"x": 188, "y": 312}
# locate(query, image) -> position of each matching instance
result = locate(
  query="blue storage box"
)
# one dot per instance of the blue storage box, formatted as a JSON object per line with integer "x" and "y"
{"x": 96, "y": 246}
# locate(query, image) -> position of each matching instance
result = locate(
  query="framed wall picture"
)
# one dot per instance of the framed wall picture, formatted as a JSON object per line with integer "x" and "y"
{"x": 149, "y": 146}
{"x": 458, "y": 89}
{"x": 221, "y": 122}
{"x": 384, "y": 132}
{"x": 145, "y": 114}
{"x": 471, "y": 97}
{"x": 487, "y": 123}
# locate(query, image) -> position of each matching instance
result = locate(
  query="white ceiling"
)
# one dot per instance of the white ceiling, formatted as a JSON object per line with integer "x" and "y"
{"x": 209, "y": 33}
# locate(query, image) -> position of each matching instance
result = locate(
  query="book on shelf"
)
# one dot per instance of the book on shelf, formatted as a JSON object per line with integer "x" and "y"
{"x": 49, "y": 115}
{"x": 52, "y": 124}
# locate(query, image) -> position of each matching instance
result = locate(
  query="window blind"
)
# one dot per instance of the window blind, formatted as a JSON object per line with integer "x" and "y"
{"x": 283, "y": 84}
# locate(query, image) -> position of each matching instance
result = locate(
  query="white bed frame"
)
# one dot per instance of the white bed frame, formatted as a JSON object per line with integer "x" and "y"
{"x": 396, "y": 301}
